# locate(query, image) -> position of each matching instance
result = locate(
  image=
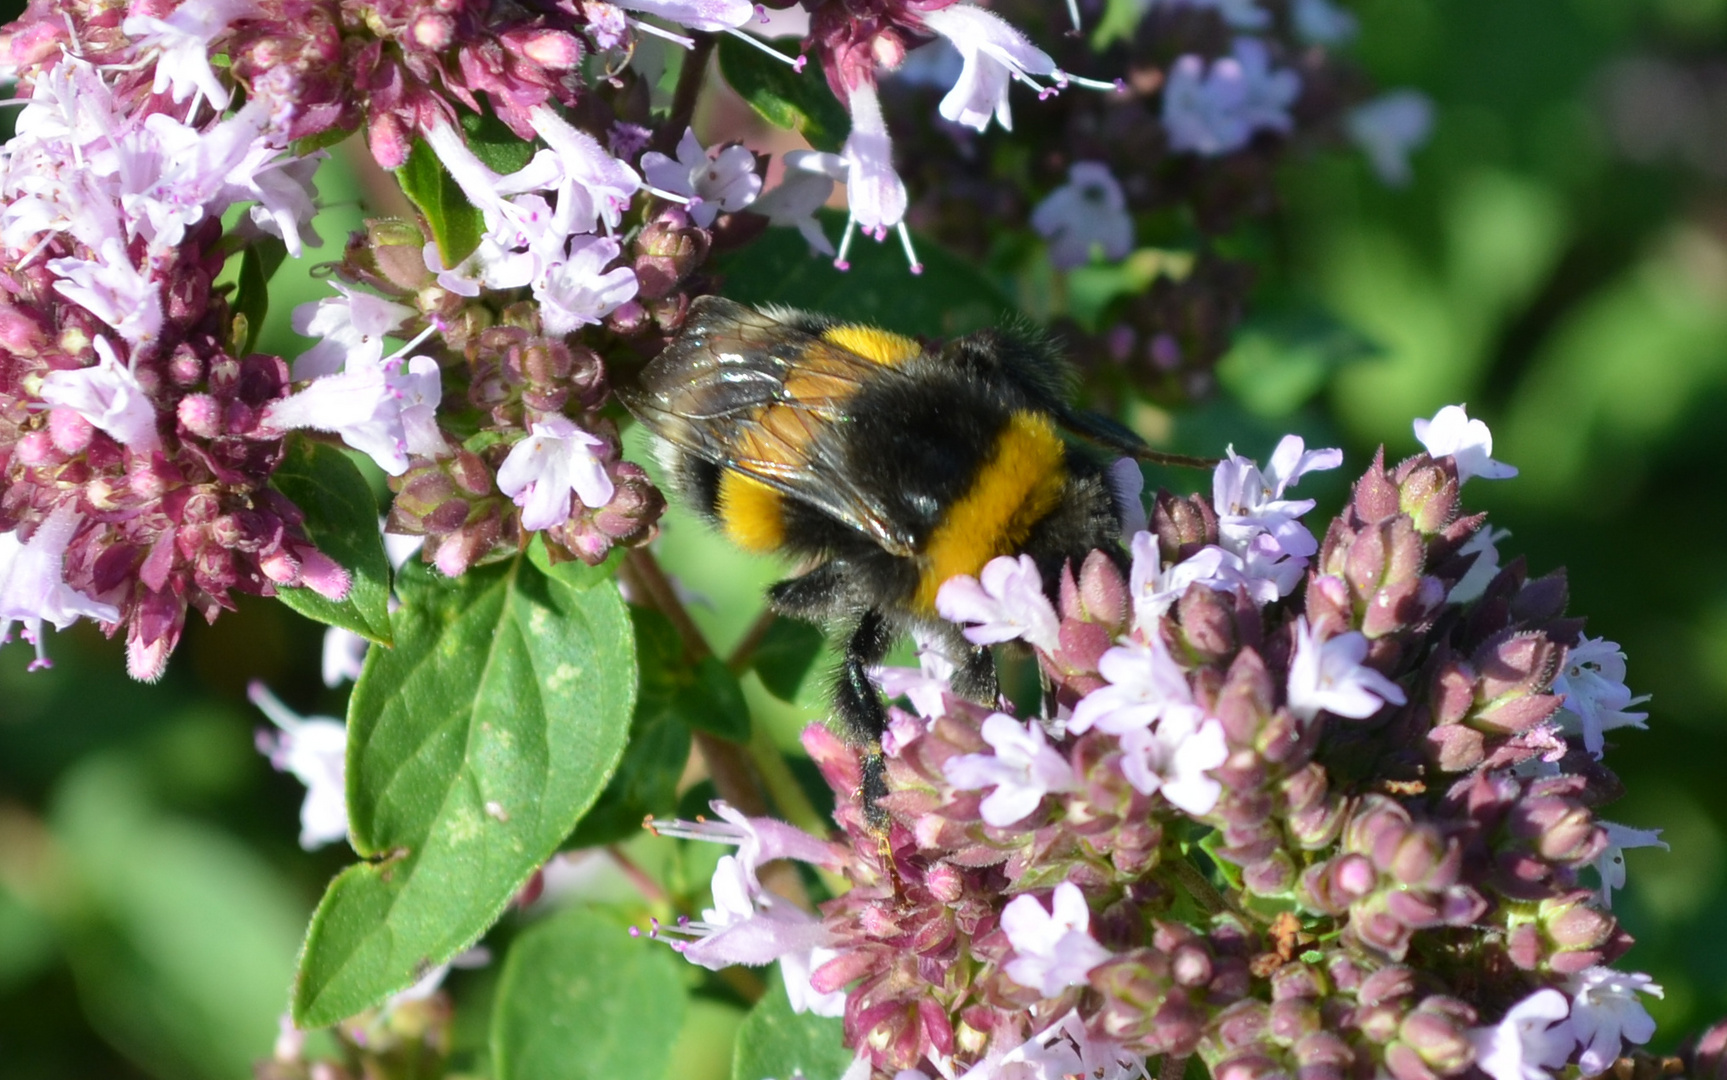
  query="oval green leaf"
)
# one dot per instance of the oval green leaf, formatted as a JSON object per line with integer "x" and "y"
{"x": 784, "y": 97}
{"x": 579, "y": 999}
{"x": 474, "y": 747}
{"x": 775, "y": 1043}
{"x": 342, "y": 519}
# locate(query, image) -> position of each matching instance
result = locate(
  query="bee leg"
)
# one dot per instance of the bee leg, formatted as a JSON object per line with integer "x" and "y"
{"x": 860, "y": 708}
{"x": 974, "y": 678}
{"x": 817, "y": 596}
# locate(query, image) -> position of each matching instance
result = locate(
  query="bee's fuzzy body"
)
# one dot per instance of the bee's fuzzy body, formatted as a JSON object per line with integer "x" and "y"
{"x": 884, "y": 468}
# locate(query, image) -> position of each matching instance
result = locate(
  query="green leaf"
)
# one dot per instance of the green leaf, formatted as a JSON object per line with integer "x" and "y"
{"x": 474, "y": 747}
{"x": 580, "y": 999}
{"x": 714, "y": 702}
{"x": 646, "y": 782}
{"x": 456, "y": 225}
{"x": 258, "y": 264}
{"x": 776, "y": 1043}
{"x": 785, "y": 655}
{"x": 492, "y": 141}
{"x": 342, "y": 519}
{"x": 951, "y": 297}
{"x": 784, "y": 97}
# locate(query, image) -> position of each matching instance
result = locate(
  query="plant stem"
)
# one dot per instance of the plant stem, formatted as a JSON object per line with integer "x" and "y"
{"x": 641, "y": 879}
{"x": 688, "y": 91}
{"x": 736, "y": 777}
{"x": 744, "y": 652}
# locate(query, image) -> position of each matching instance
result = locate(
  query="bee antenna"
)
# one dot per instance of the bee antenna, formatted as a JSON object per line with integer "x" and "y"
{"x": 1185, "y": 461}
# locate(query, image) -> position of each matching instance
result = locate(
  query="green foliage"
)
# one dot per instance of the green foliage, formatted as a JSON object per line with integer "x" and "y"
{"x": 714, "y": 703}
{"x": 798, "y": 100}
{"x": 456, "y": 225}
{"x": 776, "y": 1043}
{"x": 579, "y": 999}
{"x": 950, "y": 297}
{"x": 785, "y": 655}
{"x": 258, "y": 264}
{"x": 342, "y": 519}
{"x": 646, "y": 782}
{"x": 474, "y": 747}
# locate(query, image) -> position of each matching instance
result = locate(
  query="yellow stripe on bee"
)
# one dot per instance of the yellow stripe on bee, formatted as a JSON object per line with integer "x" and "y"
{"x": 750, "y": 512}
{"x": 1015, "y": 489}
{"x": 875, "y": 345}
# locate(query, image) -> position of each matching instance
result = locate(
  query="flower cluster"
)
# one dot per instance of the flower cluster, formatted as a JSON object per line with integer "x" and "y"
{"x": 1294, "y": 804}
{"x": 134, "y": 441}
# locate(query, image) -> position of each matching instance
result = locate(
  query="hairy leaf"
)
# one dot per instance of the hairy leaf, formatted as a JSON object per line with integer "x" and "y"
{"x": 342, "y": 519}
{"x": 474, "y": 747}
{"x": 646, "y": 783}
{"x": 776, "y": 1043}
{"x": 579, "y": 999}
{"x": 785, "y": 655}
{"x": 784, "y": 97}
{"x": 456, "y": 225}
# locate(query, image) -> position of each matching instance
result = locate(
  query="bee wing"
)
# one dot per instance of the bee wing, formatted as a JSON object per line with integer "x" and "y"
{"x": 745, "y": 391}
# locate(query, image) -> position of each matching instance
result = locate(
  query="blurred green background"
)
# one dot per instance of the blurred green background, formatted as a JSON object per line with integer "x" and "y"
{"x": 1559, "y": 263}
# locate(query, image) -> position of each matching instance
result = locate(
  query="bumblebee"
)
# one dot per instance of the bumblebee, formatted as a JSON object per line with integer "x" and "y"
{"x": 882, "y": 468}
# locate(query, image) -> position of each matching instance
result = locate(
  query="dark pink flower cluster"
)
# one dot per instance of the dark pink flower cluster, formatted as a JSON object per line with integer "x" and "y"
{"x": 1307, "y": 809}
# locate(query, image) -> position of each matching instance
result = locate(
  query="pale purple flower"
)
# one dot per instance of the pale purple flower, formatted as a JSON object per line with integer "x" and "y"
{"x": 796, "y": 969}
{"x": 592, "y": 186}
{"x": 1610, "y": 864}
{"x": 1606, "y": 1014}
{"x": 183, "y": 42}
{"x": 1023, "y": 769}
{"x": 351, "y": 328}
{"x": 510, "y": 223}
{"x": 808, "y": 182}
{"x": 1176, "y": 758}
{"x": 1053, "y": 950}
{"x": 541, "y": 471}
{"x": 746, "y": 925}
{"x": 726, "y": 181}
{"x": 343, "y": 656}
{"x": 1533, "y": 1039}
{"x": 33, "y": 587}
{"x": 1484, "y": 546}
{"x": 875, "y": 195}
{"x": 1087, "y": 212}
{"x": 360, "y": 406}
{"x": 926, "y": 686}
{"x": 1596, "y": 697}
{"x": 710, "y": 16}
{"x": 419, "y": 387}
{"x": 759, "y": 840}
{"x": 1250, "y": 501}
{"x": 1051, "y": 1054}
{"x": 578, "y": 290}
{"x": 314, "y": 749}
{"x": 1329, "y": 676}
{"x": 1145, "y": 682}
{"x": 111, "y": 288}
{"x": 1155, "y": 589}
{"x": 1126, "y": 482}
{"x": 994, "y": 55}
{"x": 1390, "y": 128}
{"x": 1006, "y": 601}
{"x": 1217, "y": 111}
{"x": 1466, "y": 442}
{"x": 1321, "y": 22}
{"x": 489, "y": 266}
{"x": 109, "y": 396}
